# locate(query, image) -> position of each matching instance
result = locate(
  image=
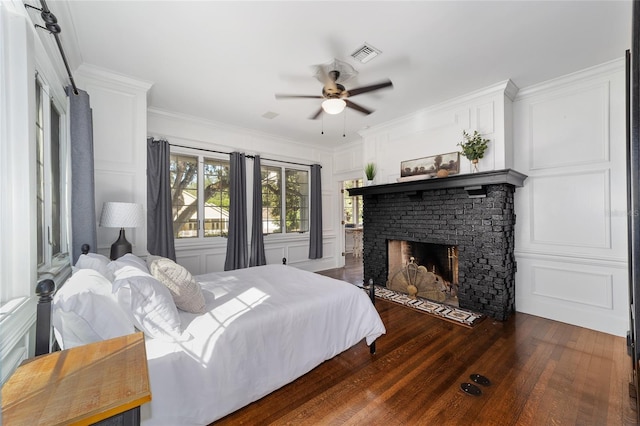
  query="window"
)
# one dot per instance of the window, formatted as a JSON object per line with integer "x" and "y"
{"x": 50, "y": 237}
{"x": 352, "y": 204}
{"x": 290, "y": 212}
{"x": 199, "y": 195}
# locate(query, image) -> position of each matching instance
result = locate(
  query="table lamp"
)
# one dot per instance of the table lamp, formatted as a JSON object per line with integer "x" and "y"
{"x": 121, "y": 215}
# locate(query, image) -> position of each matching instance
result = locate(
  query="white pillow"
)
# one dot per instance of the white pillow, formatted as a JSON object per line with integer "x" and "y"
{"x": 148, "y": 304}
{"x": 129, "y": 260}
{"x": 186, "y": 292}
{"x": 86, "y": 311}
{"x": 97, "y": 262}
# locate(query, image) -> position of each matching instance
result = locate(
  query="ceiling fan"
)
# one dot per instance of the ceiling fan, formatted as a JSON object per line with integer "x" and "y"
{"x": 335, "y": 95}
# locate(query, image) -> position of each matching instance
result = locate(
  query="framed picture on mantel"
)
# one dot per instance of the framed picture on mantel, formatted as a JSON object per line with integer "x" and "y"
{"x": 429, "y": 166}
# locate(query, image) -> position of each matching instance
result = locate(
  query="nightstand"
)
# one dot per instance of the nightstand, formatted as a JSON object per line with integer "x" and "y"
{"x": 83, "y": 385}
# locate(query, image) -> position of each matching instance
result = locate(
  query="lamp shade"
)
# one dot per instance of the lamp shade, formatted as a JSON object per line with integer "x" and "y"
{"x": 121, "y": 215}
{"x": 333, "y": 106}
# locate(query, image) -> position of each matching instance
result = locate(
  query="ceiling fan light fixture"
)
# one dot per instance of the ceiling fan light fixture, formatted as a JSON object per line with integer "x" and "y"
{"x": 334, "y": 106}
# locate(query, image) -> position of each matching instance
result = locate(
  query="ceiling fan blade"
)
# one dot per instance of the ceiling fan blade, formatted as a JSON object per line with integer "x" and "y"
{"x": 357, "y": 107}
{"x": 298, "y": 96}
{"x": 316, "y": 115}
{"x": 365, "y": 89}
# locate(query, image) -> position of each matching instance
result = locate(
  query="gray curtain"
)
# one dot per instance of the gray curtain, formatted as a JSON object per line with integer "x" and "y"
{"x": 83, "y": 202}
{"x": 257, "y": 257}
{"x": 159, "y": 207}
{"x": 237, "y": 240}
{"x": 315, "y": 224}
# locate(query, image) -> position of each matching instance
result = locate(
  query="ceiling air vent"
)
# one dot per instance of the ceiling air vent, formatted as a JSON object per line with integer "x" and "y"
{"x": 365, "y": 53}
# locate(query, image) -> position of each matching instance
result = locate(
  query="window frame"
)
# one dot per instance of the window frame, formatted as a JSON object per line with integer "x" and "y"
{"x": 53, "y": 263}
{"x": 201, "y": 156}
{"x": 283, "y": 205}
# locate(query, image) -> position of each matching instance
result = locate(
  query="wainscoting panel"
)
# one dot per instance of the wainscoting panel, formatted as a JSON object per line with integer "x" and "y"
{"x": 589, "y": 295}
{"x": 274, "y": 255}
{"x": 571, "y": 209}
{"x": 573, "y": 285}
{"x": 112, "y": 144}
{"x": 571, "y": 236}
{"x": 298, "y": 253}
{"x": 328, "y": 212}
{"x": 193, "y": 263}
{"x": 485, "y": 118}
{"x": 200, "y": 259}
{"x": 570, "y": 129}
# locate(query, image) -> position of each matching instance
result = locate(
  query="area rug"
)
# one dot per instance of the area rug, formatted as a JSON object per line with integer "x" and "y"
{"x": 456, "y": 315}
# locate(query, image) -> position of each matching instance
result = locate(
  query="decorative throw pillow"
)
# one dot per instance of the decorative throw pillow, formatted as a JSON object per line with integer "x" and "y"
{"x": 186, "y": 292}
{"x": 86, "y": 311}
{"x": 148, "y": 303}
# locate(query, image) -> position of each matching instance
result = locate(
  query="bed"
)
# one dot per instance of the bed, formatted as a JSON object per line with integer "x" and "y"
{"x": 257, "y": 329}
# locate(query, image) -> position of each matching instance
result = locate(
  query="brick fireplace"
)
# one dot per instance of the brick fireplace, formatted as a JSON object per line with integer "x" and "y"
{"x": 473, "y": 212}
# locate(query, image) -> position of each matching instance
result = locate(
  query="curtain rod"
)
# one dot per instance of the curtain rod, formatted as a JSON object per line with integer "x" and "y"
{"x": 51, "y": 25}
{"x": 246, "y": 155}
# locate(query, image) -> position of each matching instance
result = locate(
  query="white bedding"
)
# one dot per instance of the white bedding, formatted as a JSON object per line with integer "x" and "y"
{"x": 263, "y": 327}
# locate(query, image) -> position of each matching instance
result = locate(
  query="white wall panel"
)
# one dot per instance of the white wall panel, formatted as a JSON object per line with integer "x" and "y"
{"x": 213, "y": 261}
{"x": 587, "y": 293}
{"x": 570, "y": 129}
{"x": 573, "y": 285}
{"x": 274, "y": 255}
{"x": 119, "y": 108}
{"x": 192, "y": 262}
{"x": 297, "y": 253}
{"x": 114, "y": 132}
{"x": 329, "y": 211}
{"x": 485, "y": 118}
{"x": 438, "y": 130}
{"x": 571, "y": 240}
{"x": 571, "y": 209}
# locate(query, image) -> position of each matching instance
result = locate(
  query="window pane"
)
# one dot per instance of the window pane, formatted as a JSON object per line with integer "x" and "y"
{"x": 56, "y": 216}
{"x": 271, "y": 199}
{"x": 40, "y": 175}
{"x": 184, "y": 195}
{"x": 297, "y": 200}
{"x": 216, "y": 194}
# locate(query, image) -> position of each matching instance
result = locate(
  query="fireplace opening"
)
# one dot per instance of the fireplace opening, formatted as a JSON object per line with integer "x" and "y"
{"x": 431, "y": 268}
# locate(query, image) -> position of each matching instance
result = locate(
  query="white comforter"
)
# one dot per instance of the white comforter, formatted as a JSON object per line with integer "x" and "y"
{"x": 264, "y": 327}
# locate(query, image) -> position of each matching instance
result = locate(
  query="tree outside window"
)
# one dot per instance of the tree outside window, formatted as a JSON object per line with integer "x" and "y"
{"x": 290, "y": 212}
{"x": 199, "y": 195}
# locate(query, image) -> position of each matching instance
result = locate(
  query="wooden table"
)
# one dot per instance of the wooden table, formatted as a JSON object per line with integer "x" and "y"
{"x": 82, "y": 385}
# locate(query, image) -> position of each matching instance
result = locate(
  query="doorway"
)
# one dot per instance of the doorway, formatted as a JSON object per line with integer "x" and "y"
{"x": 352, "y": 223}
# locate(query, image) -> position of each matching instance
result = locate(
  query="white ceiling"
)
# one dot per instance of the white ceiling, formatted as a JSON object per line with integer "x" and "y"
{"x": 224, "y": 61}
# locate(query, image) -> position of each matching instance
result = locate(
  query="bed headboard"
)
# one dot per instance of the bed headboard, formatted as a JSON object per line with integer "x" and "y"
{"x": 45, "y": 290}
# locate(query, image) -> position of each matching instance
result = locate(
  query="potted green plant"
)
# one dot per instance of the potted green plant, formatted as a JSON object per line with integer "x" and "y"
{"x": 473, "y": 147}
{"x": 370, "y": 172}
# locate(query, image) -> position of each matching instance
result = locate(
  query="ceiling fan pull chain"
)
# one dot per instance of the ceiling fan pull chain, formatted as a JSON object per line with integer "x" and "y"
{"x": 344, "y": 128}
{"x": 322, "y": 128}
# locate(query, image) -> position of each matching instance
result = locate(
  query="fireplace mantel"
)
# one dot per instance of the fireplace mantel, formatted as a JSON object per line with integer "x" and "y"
{"x": 473, "y": 183}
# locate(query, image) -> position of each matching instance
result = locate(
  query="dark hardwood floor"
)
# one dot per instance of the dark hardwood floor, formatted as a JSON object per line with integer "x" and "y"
{"x": 542, "y": 372}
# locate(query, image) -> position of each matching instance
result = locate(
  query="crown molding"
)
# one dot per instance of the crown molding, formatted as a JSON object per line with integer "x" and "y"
{"x": 506, "y": 87}
{"x": 595, "y": 72}
{"x": 108, "y": 77}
